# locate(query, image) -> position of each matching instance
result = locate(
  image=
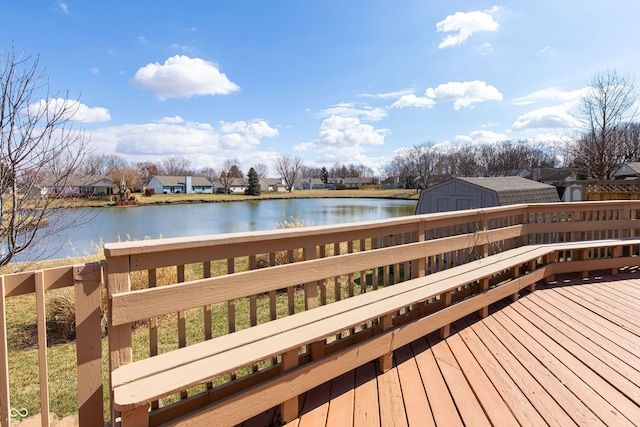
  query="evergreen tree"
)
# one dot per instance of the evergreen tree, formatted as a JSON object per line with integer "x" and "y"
{"x": 253, "y": 189}
{"x": 325, "y": 175}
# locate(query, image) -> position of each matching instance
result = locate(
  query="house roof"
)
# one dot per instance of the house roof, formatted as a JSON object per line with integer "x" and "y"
{"x": 629, "y": 169}
{"x": 176, "y": 181}
{"x": 514, "y": 189}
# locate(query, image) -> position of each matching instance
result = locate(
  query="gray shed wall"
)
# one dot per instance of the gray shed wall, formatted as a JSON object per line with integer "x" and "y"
{"x": 455, "y": 195}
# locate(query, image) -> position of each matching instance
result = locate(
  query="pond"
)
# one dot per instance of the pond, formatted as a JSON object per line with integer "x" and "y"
{"x": 86, "y": 228}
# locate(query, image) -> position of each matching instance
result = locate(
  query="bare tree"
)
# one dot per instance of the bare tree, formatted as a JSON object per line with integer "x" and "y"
{"x": 175, "y": 166}
{"x": 146, "y": 171}
{"x": 126, "y": 178}
{"x": 40, "y": 152}
{"x": 261, "y": 169}
{"x": 289, "y": 169}
{"x": 608, "y": 105}
{"x": 210, "y": 173}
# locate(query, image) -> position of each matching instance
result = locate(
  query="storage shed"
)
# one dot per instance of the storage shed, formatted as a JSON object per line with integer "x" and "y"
{"x": 471, "y": 193}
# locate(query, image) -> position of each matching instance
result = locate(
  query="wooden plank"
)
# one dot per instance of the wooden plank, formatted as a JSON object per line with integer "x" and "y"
{"x": 136, "y": 305}
{"x": 604, "y": 399}
{"x": 413, "y": 392}
{"x": 43, "y": 366}
{"x": 442, "y": 405}
{"x": 554, "y": 388}
{"x": 600, "y": 311}
{"x": 591, "y": 355}
{"x": 5, "y": 401}
{"x": 546, "y": 406}
{"x": 517, "y": 401}
{"x": 341, "y": 406}
{"x": 89, "y": 349}
{"x": 189, "y": 368}
{"x": 316, "y": 406}
{"x": 626, "y": 338}
{"x": 366, "y": 413}
{"x": 392, "y": 411}
{"x": 596, "y": 393}
{"x": 601, "y": 338}
{"x": 492, "y": 403}
{"x": 468, "y": 406}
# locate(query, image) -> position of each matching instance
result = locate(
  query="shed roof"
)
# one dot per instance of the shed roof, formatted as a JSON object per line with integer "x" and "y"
{"x": 514, "y": 189}
{"x": 175, "y": 181}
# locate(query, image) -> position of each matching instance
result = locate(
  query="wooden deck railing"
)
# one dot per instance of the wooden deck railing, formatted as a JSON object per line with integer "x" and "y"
{"x": 245, "y": 262}
{"x": 87, "y": 284}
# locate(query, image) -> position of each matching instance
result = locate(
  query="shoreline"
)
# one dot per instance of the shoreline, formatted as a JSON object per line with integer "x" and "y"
{"x": 165, "y": 199}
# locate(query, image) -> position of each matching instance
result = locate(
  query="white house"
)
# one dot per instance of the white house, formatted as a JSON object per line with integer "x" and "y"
{"x": 164, "y": 184}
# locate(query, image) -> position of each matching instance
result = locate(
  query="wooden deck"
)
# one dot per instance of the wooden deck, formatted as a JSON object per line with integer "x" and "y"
{"x": 567, "y": 354}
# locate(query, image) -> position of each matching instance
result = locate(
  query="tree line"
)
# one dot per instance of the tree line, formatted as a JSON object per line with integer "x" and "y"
{"x": 41, "y": 146}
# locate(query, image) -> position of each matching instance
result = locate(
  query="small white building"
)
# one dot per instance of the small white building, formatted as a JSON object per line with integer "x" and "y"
{"x": 164, "y": 184}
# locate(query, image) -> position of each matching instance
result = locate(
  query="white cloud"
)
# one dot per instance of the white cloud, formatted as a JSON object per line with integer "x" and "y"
{"x": 63, "y": 7}
{"x": 412, "y": 100}
{"x": 388, "y": 95}
{"x": 75, "y": 111}
{"x": 481, "y": 137}
{"x": 464, "y": 94}
{"x": 546, "y": 118}
{"x": 173, "y": 136}
{"x": 171, "y": 120}
{"x": 551, "y": 94}
{"x": 345, "y": 134}
{"x": 243, "y": 135}
{"x": 183, "y": 77}
{"x": 464, "y": 24}
{"x": 347, "y": 109}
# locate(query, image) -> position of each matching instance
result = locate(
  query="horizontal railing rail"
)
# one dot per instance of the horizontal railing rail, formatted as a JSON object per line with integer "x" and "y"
{"x": 87, "y": 284}
{"x": 251, "y": 278}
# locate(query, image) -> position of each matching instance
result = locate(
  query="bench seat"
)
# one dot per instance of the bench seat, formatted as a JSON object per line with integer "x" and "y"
{"x": 137, "y": 384}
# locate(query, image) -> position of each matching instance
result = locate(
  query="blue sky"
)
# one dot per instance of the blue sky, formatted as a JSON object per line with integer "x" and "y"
{"x": 328, "y": 81}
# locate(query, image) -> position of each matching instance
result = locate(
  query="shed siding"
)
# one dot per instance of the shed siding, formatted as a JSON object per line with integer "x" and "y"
{"x": 455, "y": 195}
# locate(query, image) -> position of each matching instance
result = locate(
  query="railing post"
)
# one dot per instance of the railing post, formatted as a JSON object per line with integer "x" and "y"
{"x": 5, "y": 403}
{"x": 87, "y": 288}
{"x": 120, "y": 352}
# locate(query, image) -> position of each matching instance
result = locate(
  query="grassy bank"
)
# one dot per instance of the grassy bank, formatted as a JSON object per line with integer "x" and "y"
{"x": 161, "y": 199}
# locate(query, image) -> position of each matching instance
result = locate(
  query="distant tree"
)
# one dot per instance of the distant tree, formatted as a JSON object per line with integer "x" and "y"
{"x": 126, "y": 178}
{"x": 339, "y": 170}
{"x": 40, "y": 151}
{"x": 146, "y": 171}
{"x": 226, "y": 180}
{"x": 253, "y": 187}
{"x": 325, "y": 175}
{"x": 609, "y": 105}
{"x": 210, "y": 173}
{"x": 289, "y": 169}
{"x": 261, "y": 169}
{"x": 175, "y": 166}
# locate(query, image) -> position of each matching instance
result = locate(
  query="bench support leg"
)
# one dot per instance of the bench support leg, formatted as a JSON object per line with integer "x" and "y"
{"x": 289, "y": 409}
{"x": 386, "y": 360}
{"x": 446, "y": 329}
{"x": 484, "y": 286}
{"x": 616, "y": 253}
{"x": 137, "y": 417}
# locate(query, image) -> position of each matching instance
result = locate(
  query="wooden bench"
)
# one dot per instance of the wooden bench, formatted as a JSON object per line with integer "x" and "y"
{"x": 136, "y": 385}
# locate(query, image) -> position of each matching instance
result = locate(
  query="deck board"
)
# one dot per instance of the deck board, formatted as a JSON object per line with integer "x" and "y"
{"x": 567, "y": 354}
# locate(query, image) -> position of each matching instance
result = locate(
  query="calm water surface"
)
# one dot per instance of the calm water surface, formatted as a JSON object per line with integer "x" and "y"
{"x": 106, "y": 225}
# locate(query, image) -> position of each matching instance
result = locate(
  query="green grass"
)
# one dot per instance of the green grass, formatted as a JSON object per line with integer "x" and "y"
{"x": 211, "y": 198}
{"x": 23, "y": 362}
